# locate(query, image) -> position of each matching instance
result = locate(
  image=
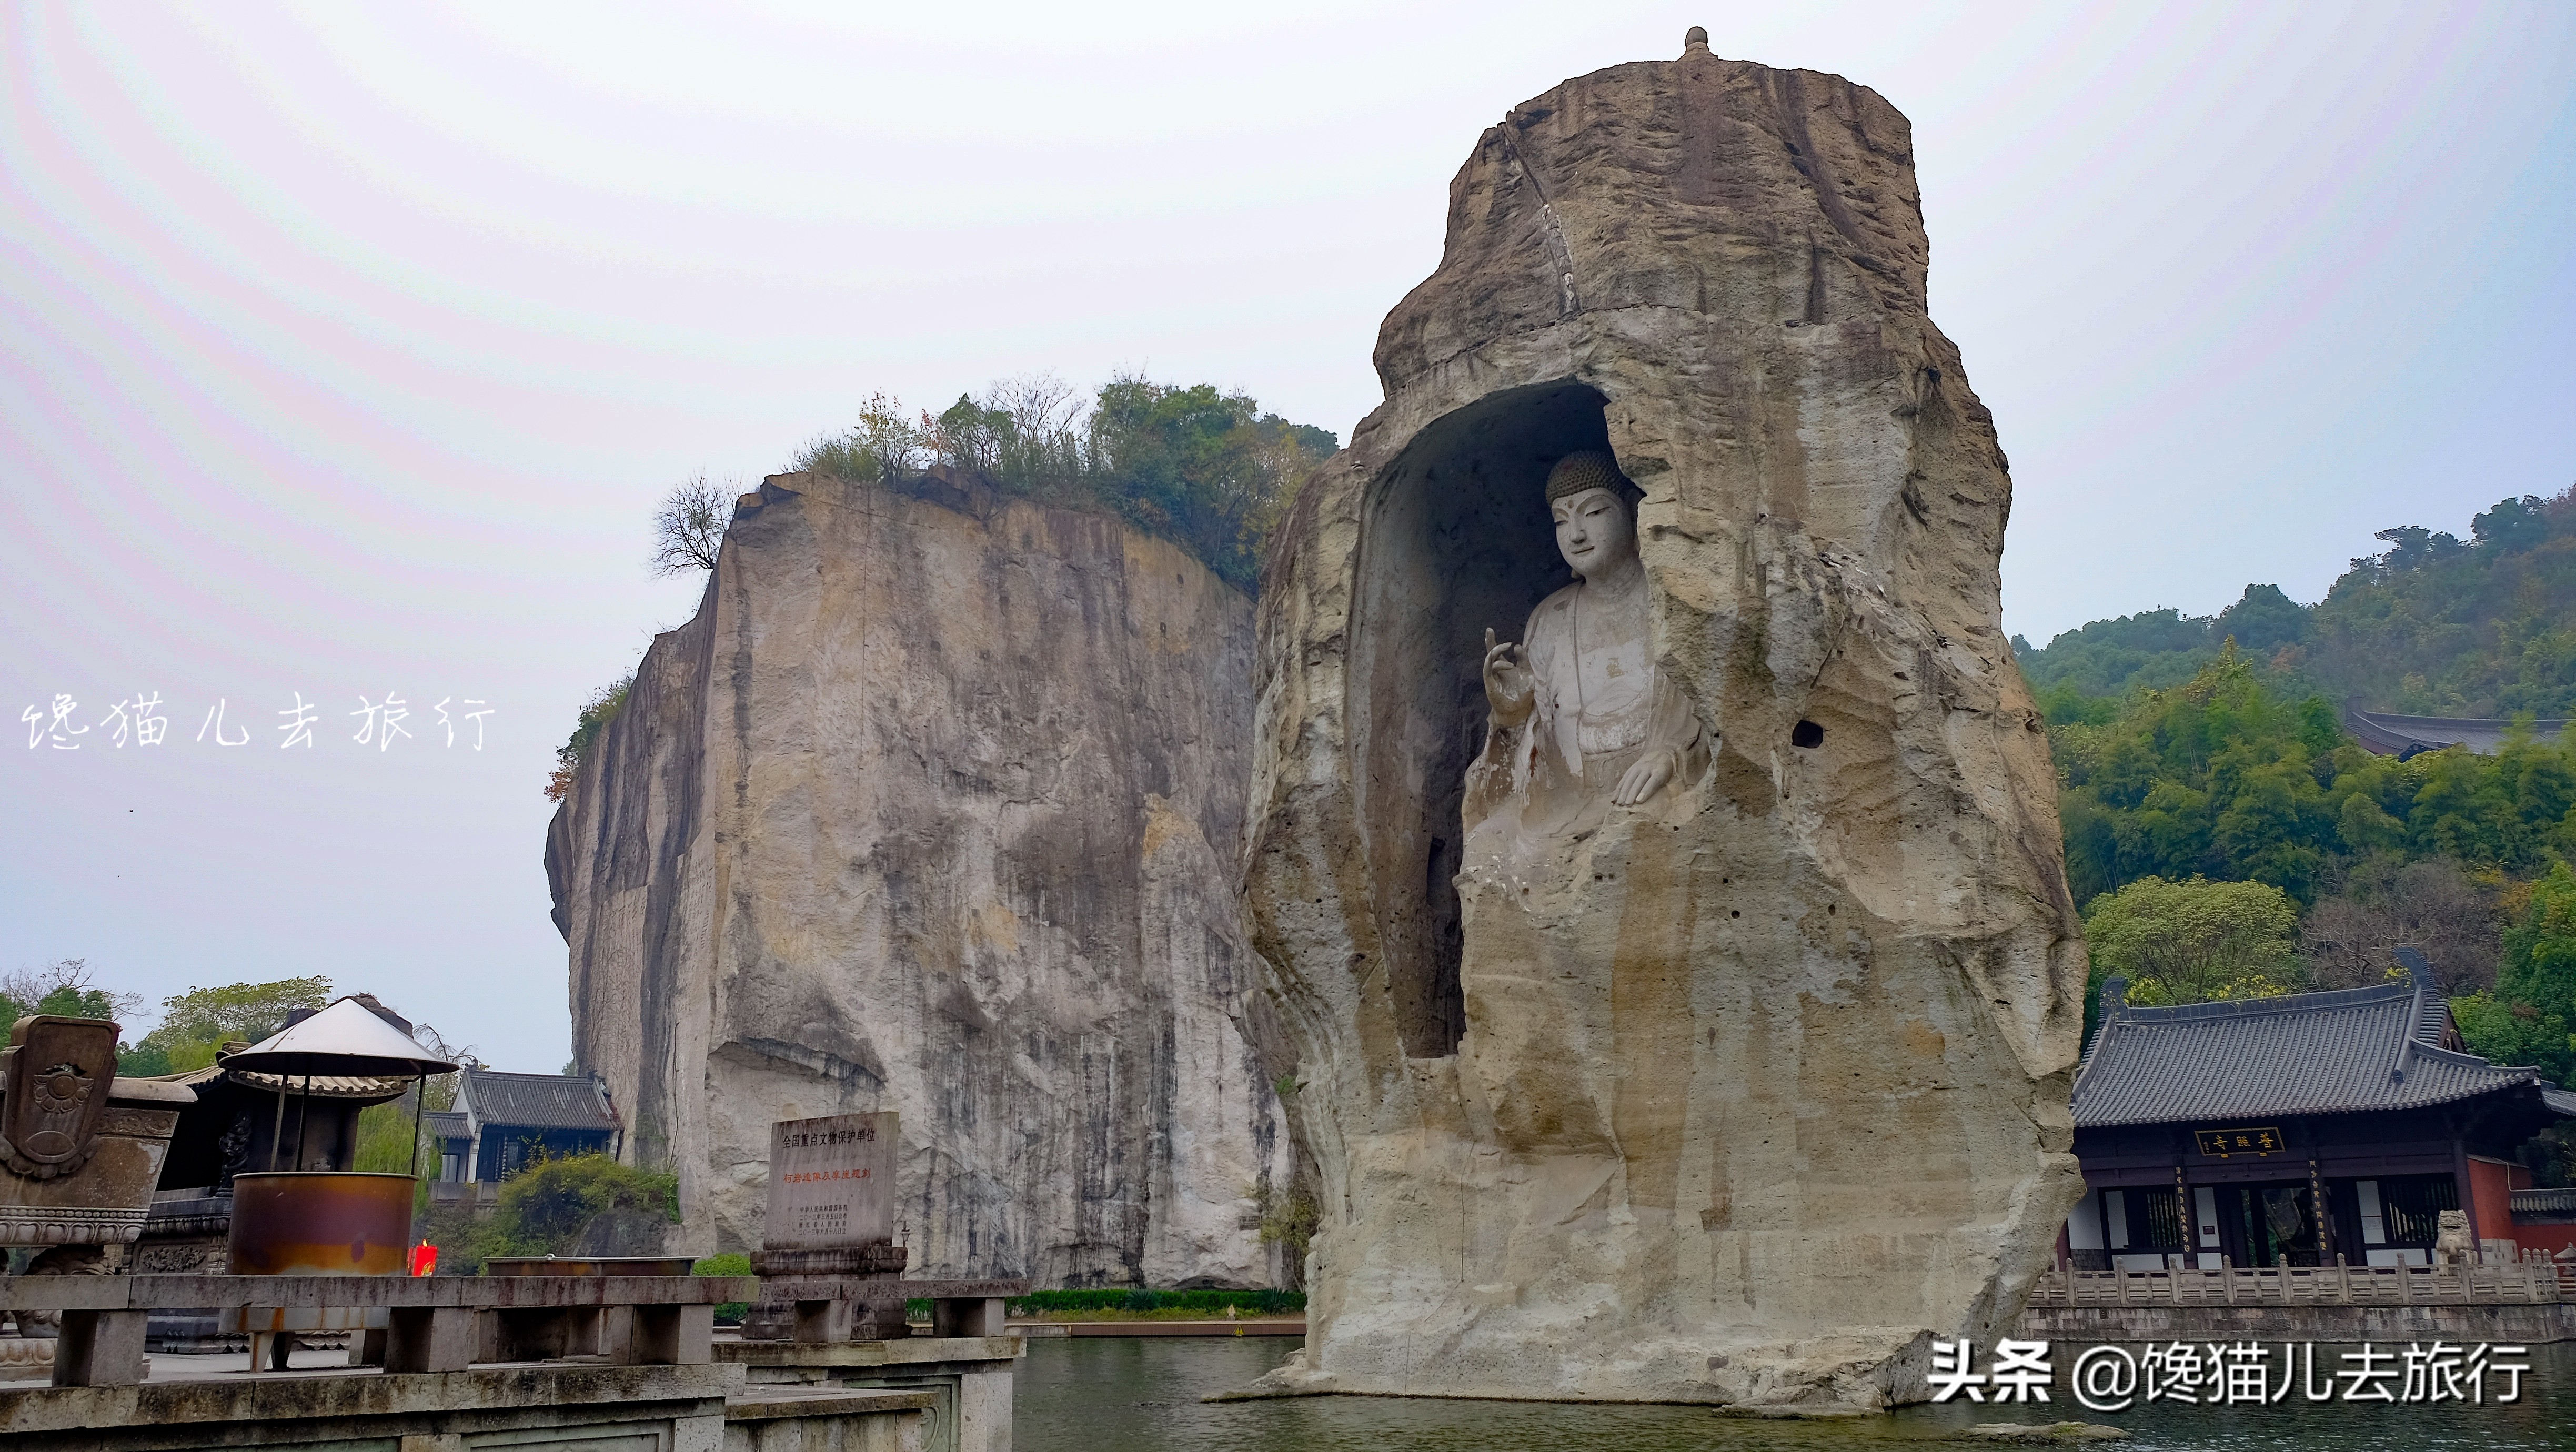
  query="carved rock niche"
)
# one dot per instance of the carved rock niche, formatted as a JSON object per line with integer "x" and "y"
{"x": 1747, "y": 1091}
{"x": 1457, "y": 541}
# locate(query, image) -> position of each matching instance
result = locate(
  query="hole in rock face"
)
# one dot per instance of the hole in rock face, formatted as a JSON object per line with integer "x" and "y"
{"x": 1807, "y": 733}
{"x": 1455, "y": 539}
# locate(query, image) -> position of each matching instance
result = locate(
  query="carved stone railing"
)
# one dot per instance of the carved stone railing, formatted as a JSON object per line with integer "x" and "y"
{"x": 432, "y": 1323}
{"x": 832, "y": 1309}
{"x": 2331, "y": 1285}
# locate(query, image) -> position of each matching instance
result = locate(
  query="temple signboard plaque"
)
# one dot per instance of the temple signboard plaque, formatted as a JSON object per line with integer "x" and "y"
{"x": 831, "y": 1182}
{"x": 2219, "y": 1144}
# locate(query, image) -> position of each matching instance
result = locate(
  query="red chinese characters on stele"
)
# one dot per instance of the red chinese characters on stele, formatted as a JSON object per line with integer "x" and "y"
{"x": 831, "y": 1182}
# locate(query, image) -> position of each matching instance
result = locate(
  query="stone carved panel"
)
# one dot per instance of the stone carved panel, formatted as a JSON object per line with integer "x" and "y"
{"x": 55, "y": 1077}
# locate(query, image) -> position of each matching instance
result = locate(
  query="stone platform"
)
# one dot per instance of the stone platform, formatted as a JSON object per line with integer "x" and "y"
{"x": 967, "y": 1378}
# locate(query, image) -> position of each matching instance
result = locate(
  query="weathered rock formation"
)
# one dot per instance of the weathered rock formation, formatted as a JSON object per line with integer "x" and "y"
{"x": 1751, "y": 1089}
{"x": 933, "y": 808}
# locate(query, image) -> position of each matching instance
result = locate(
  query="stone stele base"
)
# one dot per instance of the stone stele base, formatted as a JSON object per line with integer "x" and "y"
{"x": 1746, "y": 1093}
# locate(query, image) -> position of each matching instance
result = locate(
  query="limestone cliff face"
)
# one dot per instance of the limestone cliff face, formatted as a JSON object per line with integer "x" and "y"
{"x": 933, "y": 808}
{"x": 1747, "y": 1093}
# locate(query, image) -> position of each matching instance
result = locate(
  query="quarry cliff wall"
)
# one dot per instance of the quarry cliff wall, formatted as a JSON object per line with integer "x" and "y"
{"x": 933, "y": 808}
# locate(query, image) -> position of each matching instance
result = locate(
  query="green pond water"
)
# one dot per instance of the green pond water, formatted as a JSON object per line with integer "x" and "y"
{"x": 1142, "y": 1395}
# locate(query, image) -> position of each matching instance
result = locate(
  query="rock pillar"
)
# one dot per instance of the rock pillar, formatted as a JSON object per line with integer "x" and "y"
{"x": 1748, "y": 1091}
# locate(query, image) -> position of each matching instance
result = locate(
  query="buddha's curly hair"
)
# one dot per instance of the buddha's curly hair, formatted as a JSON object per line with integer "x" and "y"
{"x": 1590, "y": 469}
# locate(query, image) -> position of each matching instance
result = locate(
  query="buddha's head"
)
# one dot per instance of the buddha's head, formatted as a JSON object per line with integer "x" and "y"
{"x": 1589, "y": 497}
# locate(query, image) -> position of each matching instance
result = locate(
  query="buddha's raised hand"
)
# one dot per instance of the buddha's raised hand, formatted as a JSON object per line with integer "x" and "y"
{"x": 1510, "y": 689}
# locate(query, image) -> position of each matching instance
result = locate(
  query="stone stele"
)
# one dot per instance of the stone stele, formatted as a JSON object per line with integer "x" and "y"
{"x": 1745, "y": 1092}
{"x": 830, "y": 1182}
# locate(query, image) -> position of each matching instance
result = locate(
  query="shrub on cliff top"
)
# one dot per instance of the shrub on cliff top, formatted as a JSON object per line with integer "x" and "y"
{"x": 602, "y": 708}
{"x": 1201, "y": 467}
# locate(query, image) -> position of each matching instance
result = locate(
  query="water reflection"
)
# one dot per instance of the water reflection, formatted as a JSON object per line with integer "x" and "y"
{"x": 1142, "y": 1395}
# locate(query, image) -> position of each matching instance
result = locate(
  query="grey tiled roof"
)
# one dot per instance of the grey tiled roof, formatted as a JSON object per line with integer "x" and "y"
{"x": 535, "y": 1101}
{"x": 2393, "y": 735}
{"x": 322, "y": 1086}
{"x": 2341, "y": 1052}
{"x": 445, "y": 1124}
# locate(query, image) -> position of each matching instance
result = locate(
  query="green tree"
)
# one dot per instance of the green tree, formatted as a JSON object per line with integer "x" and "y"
{"x": 386, "y": 1142}
{"x": 2530, "y": 1014}
{"x": 1206, "y": 468}
{"x": 2194, "y": 941}
{"x": 64, "y": 987}
{"x": 386, "y": 1145}
{"x": 2225, "y": 778}
{"x": 972, "y": 435}
{"x": 2218, "y": 777}
{"x": 196, "y": 1023}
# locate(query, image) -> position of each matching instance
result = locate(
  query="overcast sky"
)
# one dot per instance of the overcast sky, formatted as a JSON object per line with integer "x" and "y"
{"x": 348, "y": 347}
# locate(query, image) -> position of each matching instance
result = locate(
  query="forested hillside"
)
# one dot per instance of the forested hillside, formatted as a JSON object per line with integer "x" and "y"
{"x": 2432, "y": 627}
{"x": 2228, "y": 838}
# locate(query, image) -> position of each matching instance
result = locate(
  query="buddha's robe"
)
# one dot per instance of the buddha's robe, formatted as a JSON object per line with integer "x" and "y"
{"x": 1601, "y": 706}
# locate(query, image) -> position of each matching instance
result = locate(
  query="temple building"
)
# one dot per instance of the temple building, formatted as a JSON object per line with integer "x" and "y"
{"x": 501, "y": 1122}
{"x": 2292, "y": 1130}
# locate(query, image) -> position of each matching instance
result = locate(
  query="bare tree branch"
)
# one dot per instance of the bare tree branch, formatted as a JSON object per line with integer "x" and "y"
{"x": 689, "y": 528}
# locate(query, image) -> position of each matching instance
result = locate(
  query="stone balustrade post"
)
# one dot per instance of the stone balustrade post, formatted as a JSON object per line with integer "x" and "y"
{"x": 100, "y": 1348}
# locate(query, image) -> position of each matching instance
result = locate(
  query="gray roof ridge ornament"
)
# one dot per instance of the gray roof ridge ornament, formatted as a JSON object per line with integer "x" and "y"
{"x": 2421, "y": 972}
{"x": 2436, "y": 1054}
{"x": 2115, "y": 1002}
{"x": 2419, "y": 969}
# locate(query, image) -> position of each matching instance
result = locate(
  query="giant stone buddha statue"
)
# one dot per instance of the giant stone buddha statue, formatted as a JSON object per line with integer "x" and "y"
{"x": 1582, "y": 721}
